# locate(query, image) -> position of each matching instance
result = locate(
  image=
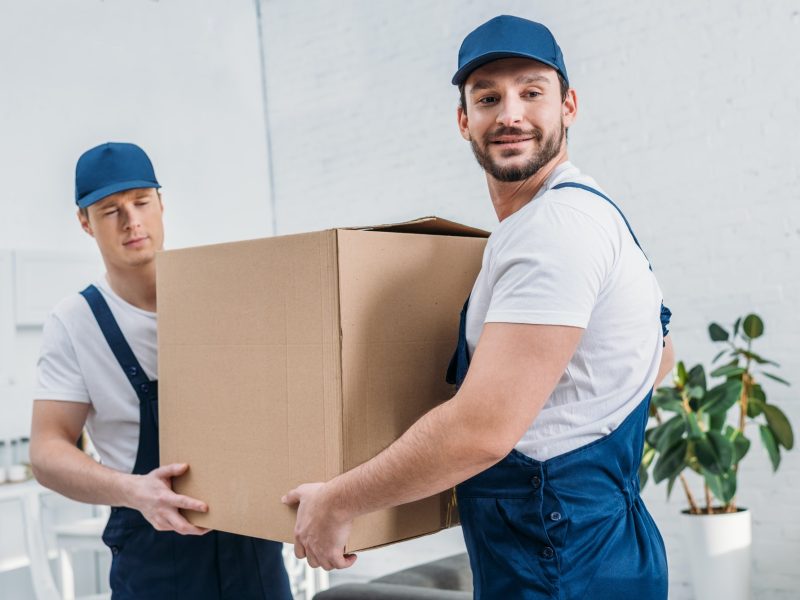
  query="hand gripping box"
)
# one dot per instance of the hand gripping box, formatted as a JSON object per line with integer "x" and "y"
{"x": 292, "y": 359}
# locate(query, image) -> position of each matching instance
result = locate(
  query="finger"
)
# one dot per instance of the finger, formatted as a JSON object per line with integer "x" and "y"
{"x": 312, "y": 559}
{"x": 345, "y": 561}
{"x": 299, "y": 550}
{"x": 172, "y": 470}
{"x": 182, "y": 526}
{"x": 181, "y": 501}
{"x": 291, "y": 498}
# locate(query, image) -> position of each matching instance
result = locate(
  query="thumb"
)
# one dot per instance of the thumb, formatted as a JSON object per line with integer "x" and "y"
{"x": 172, "y": 470}
{"x": 291, "y": 498}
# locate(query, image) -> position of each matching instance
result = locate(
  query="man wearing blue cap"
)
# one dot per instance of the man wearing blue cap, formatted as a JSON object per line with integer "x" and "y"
{"x": 561, "y": 342}
{"x": 98, "y": 368}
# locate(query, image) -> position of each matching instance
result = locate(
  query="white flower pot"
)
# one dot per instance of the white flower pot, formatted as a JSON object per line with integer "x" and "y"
{"x": 718, "y": 549}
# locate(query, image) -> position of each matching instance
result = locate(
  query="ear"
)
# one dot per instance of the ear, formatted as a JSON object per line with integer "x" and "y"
{"x": 85, "y": 225}
{"x": 569, "y": 108}
{"x": 463, "y": 123}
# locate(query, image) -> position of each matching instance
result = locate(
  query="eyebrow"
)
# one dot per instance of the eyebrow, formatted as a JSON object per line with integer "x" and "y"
{"x": 485, "y": 84}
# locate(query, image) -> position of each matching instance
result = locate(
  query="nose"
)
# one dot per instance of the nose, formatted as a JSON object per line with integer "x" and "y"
{"x": 130, "y": 219}
{"x": 511, "y": 111}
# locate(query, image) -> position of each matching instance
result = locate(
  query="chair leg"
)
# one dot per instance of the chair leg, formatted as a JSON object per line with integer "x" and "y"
{"x": 67, "y": 575}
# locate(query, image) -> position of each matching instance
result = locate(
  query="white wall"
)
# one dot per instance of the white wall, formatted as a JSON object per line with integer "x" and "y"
{"x": 181, "y": 78}
{"x": 688, "y": 118}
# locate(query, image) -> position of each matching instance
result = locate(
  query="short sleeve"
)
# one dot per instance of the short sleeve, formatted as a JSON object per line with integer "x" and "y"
{"x": 551, "y": 270}
{"x": 57, "y": 371}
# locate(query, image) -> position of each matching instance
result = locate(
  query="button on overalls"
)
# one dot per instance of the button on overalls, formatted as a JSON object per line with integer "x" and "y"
{"x": 572, "y": 527}
{"x": 163, "y": 565}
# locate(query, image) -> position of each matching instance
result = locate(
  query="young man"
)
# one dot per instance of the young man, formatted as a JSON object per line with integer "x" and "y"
{"x": 98, "y": 368}
{"x": 562, "y": 346}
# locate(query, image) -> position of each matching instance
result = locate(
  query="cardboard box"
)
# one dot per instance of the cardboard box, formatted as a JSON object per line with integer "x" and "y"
{"x": 293, "y": 359}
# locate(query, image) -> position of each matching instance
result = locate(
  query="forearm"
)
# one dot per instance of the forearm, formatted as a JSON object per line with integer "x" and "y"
{"x": 441, "y": 449}
{"x": 62, "y": 467}
{"x": 667, "y": 361}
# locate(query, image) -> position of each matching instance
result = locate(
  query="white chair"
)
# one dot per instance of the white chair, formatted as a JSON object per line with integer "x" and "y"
{"x": 79, "y": 536}
{"x": 304, "y": 580}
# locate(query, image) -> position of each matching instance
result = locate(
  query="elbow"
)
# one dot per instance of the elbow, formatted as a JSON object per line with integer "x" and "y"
{"x": 38, "y": 461}
{"x": 491, "y": 445}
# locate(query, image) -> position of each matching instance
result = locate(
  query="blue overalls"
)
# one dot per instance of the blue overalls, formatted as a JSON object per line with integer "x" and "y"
{"x": 163, "y": 565}
{"x": 570, "y": 528}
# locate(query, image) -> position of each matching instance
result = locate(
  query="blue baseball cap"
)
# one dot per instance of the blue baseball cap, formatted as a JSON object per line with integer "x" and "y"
{"x": 506, "y": 37}
{"x": 110, "y": 168}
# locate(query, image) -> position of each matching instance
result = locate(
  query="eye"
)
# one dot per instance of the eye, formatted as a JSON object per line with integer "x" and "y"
{"x": 487, "y": 100}
{"x": 532, "y": 94}
{"x": 142, "y": 202}
{"x": 108, "y": 213}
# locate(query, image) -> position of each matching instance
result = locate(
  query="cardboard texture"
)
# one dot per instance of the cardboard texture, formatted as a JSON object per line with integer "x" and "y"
{"x": 293, "y": 359}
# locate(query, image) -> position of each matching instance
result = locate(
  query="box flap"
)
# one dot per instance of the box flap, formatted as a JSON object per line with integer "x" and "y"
{"x": 430, "y": 225}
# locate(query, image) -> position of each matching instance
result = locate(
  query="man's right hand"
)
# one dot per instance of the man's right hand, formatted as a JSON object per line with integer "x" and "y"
{"x": 152, "y": 495}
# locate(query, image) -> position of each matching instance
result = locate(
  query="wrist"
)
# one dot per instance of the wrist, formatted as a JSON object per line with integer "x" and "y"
{"x": 128, "y": 494}
{"x": 339, "y": 508}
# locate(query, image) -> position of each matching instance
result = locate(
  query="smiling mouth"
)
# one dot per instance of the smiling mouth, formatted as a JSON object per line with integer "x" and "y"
{"x": 504, "y": 141}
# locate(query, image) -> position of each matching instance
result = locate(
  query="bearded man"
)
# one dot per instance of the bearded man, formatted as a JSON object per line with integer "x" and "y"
{"x": 563, "y": 339}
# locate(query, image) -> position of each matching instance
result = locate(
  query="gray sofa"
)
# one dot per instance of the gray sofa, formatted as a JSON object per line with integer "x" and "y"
{"x": 445, "y": 579}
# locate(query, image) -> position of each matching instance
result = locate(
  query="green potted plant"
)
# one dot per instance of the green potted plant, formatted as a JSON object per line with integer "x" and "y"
{"x": 709, "y": 433}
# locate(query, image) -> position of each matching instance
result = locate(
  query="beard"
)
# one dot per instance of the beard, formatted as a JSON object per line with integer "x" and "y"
{"x": 547, "y": 149}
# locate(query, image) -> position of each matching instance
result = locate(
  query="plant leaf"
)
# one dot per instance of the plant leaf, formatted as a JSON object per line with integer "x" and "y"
{"x": 671, "y": 462}
{"x": 716, "y": 421}
{"x": 680, "y": 374}
{"x": 667, "y": 398}
{"x": 771, "y": 445}
{"x": 717, "y": 333}
{"x": 694, "y": 427}
{"x": 696, "y": 377}
{"x": 779, "y": 425}
{"x": 670, "y": 485}
{"x": 722, "y": 486}
{"x": 642, "y": 476}
{"x": 753, "y": 326}
{"x": 718, "y": 356}
{"x": 775, "y": 377}
{"x": 648, "y": 455}
{"x": 753, "y": 356}
{"x": 736, "y": 326}
{"x": 722, "y": 397}
{"x": 756, "y": 392}
{"x": 667, "y": 434}
{"x": 755, "y": 407}
{"x": 715, "y": 452}
{"x": 728, "y": 371}
{"x": 740, "y": 443}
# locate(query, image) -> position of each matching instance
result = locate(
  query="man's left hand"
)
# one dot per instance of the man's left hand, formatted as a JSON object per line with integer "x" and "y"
{"x": 320, "y": 532}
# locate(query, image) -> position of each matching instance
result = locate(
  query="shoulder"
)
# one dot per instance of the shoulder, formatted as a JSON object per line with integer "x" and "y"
{"x": 70, "y": 314}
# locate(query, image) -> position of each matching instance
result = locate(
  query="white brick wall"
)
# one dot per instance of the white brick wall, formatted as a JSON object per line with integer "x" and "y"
{"x": 688, "y": 117}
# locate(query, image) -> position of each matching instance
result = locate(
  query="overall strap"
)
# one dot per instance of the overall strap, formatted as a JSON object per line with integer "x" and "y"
{"x": 580, "y": 186}
{"x": 116, "y": 340}
{"x": 666, "y": 313}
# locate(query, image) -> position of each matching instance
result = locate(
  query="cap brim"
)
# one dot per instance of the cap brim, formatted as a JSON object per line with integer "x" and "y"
{"x": 462, "y": 74}
{"x": 120, "y": 186}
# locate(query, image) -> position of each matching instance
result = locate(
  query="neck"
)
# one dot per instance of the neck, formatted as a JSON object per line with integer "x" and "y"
{"x": 510, "y": 196}
{"x": 135, "y": 285}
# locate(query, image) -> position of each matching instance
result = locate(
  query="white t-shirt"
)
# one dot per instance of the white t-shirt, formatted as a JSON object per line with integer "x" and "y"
{"x": 567, "y": 258}
{"x": 76, "y": 365}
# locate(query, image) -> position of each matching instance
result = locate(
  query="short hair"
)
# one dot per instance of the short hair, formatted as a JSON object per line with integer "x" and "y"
{"x": 463, "y": 97}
